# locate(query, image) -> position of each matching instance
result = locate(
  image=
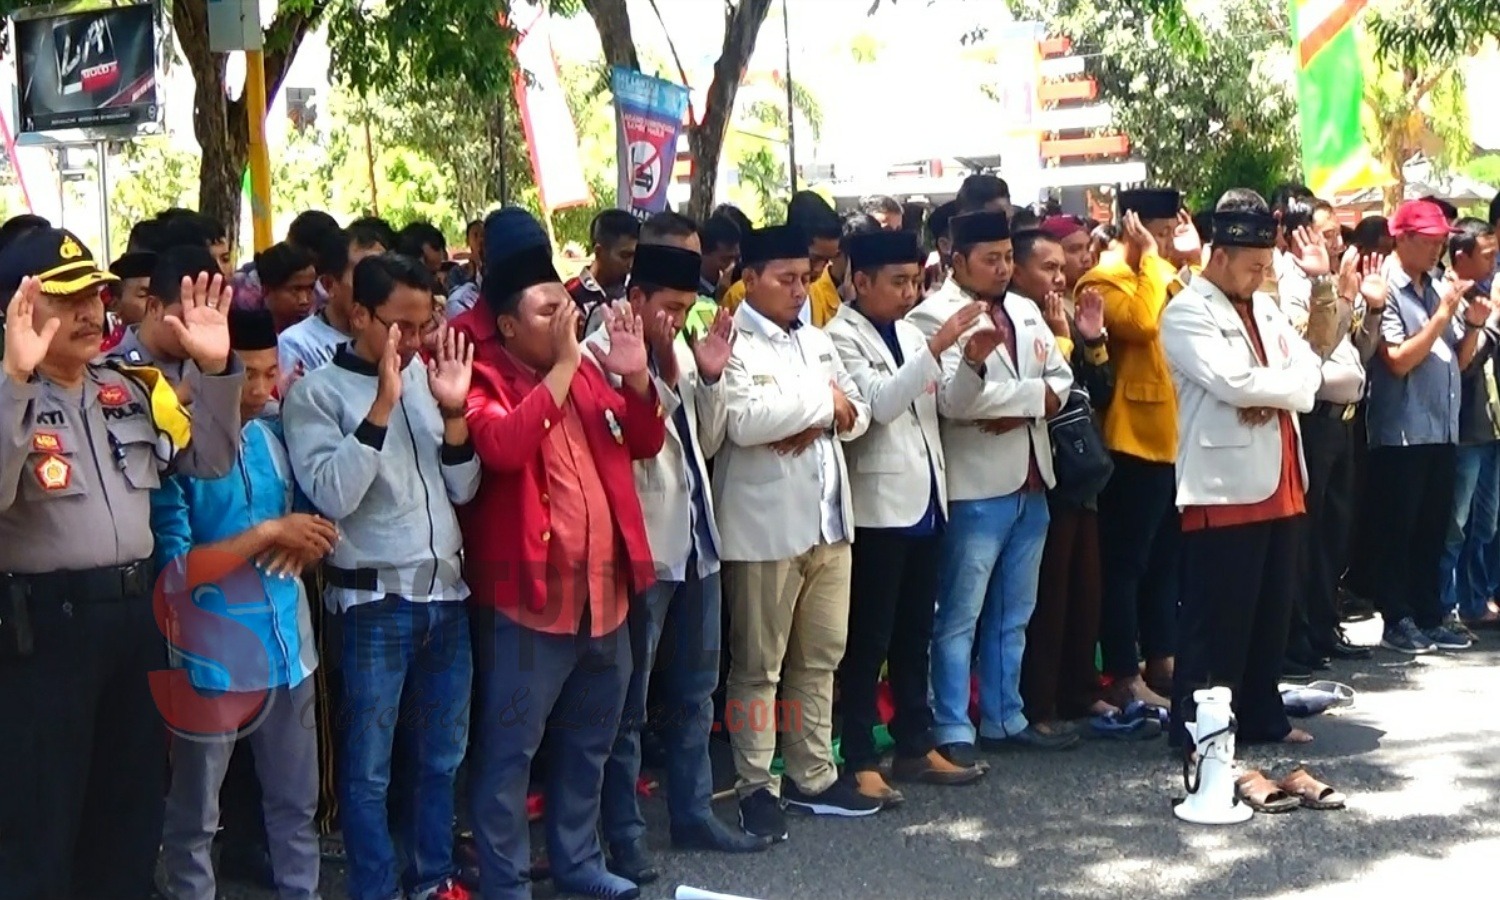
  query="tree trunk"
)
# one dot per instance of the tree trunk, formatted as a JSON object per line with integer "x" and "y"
{"x": 612, "y": 20}
{"x": 219, "y": 123}
{"x": 706, "y": 137}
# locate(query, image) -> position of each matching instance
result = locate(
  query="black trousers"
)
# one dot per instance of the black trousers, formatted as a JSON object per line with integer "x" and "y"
{"x": 1138, "y": 544}
{"x": 1410, "y": 523}
{"x": 1328, "y": 447}
{"x": 1236, "y": 602}
{"x": 892, "y": 595}
{"x": 1058, "y": 677}
{"x": 83, "y": 756}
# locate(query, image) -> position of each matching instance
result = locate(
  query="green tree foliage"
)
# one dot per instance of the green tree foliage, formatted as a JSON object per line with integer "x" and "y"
{"x": 1414, "y": 84}
{"x": 1191, "y": 118}
{"x": 1409, "y": 36}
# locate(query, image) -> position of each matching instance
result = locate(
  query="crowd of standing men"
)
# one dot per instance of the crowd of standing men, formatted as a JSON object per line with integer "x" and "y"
{"x": 354, "y": 516}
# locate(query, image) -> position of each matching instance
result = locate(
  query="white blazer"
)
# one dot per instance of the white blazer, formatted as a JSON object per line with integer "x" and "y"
{"x": 772, "y": 504}
{"x": 661, "y": 481}
{"x": 893, "y": 464}
{"x": 983, "y": 465}
{"x": 1221, "y": 461}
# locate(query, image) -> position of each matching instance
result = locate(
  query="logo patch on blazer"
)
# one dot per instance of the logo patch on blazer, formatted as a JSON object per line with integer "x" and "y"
{"x": 1281, "y": 342}
{"x": 1040, "y": 347}
{"x": 762, "y": 379}
{"x": 614, "y": 426}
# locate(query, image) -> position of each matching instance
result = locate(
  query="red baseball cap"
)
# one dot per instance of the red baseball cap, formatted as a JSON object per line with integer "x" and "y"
{"x": 1420, "y": 217}
{"x": 1061, "y": 227}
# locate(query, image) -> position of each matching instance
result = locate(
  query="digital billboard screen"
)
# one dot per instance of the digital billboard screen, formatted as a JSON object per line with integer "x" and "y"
{"x": 87, "y": 69}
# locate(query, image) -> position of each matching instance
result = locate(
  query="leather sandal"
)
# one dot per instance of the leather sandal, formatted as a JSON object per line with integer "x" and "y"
{"x": 1263, "y": 795}
{"x": 1310, "y": 792}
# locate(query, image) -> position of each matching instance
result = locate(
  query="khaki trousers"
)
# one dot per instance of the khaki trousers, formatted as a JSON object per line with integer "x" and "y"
{"x": 787, "y": 623}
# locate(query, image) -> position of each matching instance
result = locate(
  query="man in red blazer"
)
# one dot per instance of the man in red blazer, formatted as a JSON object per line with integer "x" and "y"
{"x": 555, "y": 544}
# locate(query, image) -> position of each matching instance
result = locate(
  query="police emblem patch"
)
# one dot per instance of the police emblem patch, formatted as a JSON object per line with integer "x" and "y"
{"x": 46, "y": 442}
{"x": 114, "y": 394}
{"x": 54, "y": 473}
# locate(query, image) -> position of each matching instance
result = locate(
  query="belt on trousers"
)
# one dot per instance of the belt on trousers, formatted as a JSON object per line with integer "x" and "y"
{"x": 1344, "y": 412}
{"x": 108, "y": 584}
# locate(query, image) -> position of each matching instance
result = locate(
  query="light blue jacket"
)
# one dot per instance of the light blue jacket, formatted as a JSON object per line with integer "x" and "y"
{"x": 246, "y": 630}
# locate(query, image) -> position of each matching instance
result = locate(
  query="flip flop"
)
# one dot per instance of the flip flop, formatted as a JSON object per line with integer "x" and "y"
{"x": 1137, "y": 710}
{"x": 1310, "y": 792}
{"x": 1263, "y": 795}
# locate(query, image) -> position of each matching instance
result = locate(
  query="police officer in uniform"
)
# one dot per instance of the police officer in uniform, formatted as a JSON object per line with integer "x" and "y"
{"x": 82, "y": 445}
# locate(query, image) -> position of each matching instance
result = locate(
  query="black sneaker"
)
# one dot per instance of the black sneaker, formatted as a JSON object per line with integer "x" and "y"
{"x": 1406, "y": 637}
{"x": 842, "y": 798}
{"x": 1445, "y": 638}
{"x": 761, "y": 815}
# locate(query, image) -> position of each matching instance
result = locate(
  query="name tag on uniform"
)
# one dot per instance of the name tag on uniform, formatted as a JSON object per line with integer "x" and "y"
{"x": 825, "y": 357}
{"x": 762, "y": 379}
{"x": 1229, "y": 332}
{"x": 1029, "y": 322}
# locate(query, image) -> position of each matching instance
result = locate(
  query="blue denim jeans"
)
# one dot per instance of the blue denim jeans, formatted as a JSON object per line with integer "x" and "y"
{"x": 406, "y": 664}
{"x": 689, "y": 611}
{"x": 991, "y": 560}
{"x": 1467, "y": 572}
{"x": 1471, "y": 527}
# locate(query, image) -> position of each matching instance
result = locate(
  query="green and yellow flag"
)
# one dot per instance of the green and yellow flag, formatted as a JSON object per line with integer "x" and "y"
{"x": 1330, "y": 95}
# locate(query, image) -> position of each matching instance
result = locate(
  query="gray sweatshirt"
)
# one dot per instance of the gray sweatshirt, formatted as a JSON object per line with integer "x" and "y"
{"x": 391, "y": 491}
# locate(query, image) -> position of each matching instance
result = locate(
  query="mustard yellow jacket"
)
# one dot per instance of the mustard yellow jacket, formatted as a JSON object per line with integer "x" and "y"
{"x": 1141, "y": 419}
{"x": 823, "y": 294}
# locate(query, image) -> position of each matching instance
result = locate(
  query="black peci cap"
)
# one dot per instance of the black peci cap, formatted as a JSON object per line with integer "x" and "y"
{"x": 979, "y": 228}
{"x": 775, "y": 242}
{"x": 666, "y": 266}
{"x": 882, "y": 248}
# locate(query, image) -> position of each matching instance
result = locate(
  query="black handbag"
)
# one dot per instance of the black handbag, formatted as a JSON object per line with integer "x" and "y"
{"x": 1080, "y": 461}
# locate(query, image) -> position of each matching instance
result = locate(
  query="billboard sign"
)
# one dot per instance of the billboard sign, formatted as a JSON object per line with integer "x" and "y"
{"x": 87, "y": 69}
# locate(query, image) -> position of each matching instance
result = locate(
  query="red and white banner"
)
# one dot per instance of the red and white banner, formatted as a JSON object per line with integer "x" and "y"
{"x": 551, "y": 136}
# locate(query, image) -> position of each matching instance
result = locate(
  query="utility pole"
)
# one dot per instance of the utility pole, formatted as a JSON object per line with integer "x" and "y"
{"x": 791, "y": 110}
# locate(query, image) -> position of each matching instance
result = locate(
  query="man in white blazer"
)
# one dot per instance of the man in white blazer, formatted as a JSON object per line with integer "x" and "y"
{"x": 1241, "y": 372}
{"x": 787, "y": 519}
{"x": 999, "y": 386}
{"x": 899, "y": 481}
{"x": 679, "y": 513}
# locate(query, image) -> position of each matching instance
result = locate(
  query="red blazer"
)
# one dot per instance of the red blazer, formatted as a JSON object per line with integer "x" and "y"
{"x": 505, "y": 553}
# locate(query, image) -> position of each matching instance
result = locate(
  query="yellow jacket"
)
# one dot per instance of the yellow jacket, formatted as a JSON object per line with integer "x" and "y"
{"x": 822, "y": 294}
{"x": 1141, "y": 418}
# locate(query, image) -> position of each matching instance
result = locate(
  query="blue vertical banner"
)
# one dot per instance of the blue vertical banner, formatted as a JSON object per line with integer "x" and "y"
{"x": 648, "y": 119}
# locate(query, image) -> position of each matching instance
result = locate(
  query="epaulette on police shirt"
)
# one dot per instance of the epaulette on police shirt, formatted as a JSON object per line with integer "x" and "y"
{"x": 173, "y": 423}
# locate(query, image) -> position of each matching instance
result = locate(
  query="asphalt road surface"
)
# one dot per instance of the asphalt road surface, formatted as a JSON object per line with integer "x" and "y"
{"x": 1419, "y": 755}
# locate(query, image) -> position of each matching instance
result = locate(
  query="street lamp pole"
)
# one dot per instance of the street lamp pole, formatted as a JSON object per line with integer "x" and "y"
{"x": 791, "y": 110}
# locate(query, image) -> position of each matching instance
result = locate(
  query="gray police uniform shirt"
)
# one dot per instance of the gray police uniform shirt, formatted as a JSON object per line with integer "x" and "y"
{"x": 77, "y": 467}
{"x": 132, "y": 352}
